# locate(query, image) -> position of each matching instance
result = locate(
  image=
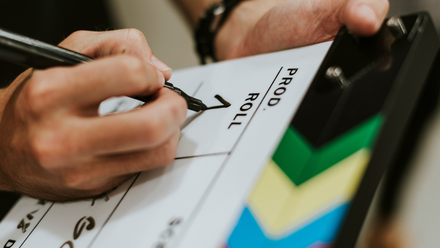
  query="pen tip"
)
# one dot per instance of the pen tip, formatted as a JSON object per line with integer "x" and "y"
{"x": 203, "y": 107}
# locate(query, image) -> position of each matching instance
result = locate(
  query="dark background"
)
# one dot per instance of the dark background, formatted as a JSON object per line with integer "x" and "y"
{"x": 50, "y": 21}
{"x": 53, "y": 20}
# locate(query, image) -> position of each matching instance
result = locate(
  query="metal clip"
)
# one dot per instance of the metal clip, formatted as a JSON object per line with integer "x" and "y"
{"x": 397, "y": 27}
{"x": 336, "y": 75}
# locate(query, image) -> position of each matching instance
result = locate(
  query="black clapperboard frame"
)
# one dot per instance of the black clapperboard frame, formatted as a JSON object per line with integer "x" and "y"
{"x": 363, "y": 77}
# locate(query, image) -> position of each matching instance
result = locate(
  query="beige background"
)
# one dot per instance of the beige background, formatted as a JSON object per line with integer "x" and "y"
{"x": 418, "y": 221}
{"x": 166, "y": 29}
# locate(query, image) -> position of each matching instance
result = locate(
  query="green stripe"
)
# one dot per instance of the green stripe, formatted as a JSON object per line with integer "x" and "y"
{"x": 292, "y": 154}
{"x": 300, "y": 162}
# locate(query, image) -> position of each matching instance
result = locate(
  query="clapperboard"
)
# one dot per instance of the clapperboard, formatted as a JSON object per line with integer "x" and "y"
{"x": 294, "y": 162}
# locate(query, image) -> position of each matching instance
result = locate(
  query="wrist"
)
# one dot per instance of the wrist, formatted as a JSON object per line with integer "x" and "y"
{"x": 231, "y": 38}
{"x": 6, "y": 163}
{"x": 209, "y": 25}
{"x": 6, "y": 93}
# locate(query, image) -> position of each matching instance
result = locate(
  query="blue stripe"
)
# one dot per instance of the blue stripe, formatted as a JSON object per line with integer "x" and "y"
{"x": 247, "y": 232}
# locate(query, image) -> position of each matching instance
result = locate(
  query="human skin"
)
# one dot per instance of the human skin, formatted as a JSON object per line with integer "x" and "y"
{"x": 53, "y": 143}
{"x": 261, "y": 26}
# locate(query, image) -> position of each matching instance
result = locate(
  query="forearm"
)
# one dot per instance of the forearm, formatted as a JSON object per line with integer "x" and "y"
{"x": 261, "y": 26}
{"x": 3, "y": 101}
{"x": 229, "y": 39}
{"x": 5, "y": 141}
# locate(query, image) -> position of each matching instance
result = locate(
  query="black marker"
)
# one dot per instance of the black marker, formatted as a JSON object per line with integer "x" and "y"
{"x": 28, "y": 52}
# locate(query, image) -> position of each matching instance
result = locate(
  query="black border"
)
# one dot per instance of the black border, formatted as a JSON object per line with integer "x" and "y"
{"x": 398, "y": 110}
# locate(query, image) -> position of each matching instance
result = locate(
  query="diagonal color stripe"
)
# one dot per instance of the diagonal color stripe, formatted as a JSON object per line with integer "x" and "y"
{"x": 292, "y": 154}
{"x": 300, "y": 161}
{"x": 280, "y": 205}
{"x": 335, "y": 185}
{"x": 270, "y": 193}
{"x": 247, "y": 232}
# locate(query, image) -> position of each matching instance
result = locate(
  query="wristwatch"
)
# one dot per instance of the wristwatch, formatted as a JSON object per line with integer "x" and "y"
{"x": 209, "y": 24}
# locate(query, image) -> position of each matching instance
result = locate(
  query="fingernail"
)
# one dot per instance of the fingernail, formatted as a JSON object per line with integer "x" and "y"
{"x": 161, "y": 66}
{"x": 364, "y": 11}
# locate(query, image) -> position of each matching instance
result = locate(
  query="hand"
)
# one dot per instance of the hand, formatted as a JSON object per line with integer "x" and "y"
{"x": 261, "y": 26}
{"x": 53, "y": 144}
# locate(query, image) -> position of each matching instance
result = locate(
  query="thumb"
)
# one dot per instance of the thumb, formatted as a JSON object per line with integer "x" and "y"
{"x": 364, "y": 17}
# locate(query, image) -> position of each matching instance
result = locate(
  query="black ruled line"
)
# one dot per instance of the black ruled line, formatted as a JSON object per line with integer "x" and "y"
{"x": 197, "y": 90}
{"x": 217, "y": 175}
{"x": 37, "y": 224}
{"x": 117, "y": 205}
{"x": 203, "y": 155}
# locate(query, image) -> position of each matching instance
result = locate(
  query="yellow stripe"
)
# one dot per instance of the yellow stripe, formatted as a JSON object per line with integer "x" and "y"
{"x": 270, "y": 193}
{"x": 280, "y": 205}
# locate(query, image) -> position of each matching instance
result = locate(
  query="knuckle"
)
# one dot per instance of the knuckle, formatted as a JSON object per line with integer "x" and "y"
{"x": 51, "y": 149}
{"x": 135, "y": 35}
{"x": 134, "y": 70}
{"x": 177, "y": 109}
{"x": 43, "y": 151}
{"x": 168, "y": 152}
{"x": 38, "y": 93}
{"x": 79, "y": 34}
{"x": 168, "y": 156}
{"x": 73, "y": 180}
{"x": 155, "y": 132}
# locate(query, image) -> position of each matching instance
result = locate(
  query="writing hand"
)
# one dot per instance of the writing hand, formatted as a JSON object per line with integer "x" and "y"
{"x": 53, "y": 143}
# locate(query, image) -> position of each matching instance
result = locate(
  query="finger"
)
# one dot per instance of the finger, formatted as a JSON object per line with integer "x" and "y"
{"x": 102, "y": 171}
{"x": 91, "y": 83}
{"x": 140, "y": 129}
{"x": 365, "y": 17}
{"x": 113, "y": 166}
{"x": 124, "y": 41}
{"x": 162, "y": 67}
{"x": 89, "y": 189}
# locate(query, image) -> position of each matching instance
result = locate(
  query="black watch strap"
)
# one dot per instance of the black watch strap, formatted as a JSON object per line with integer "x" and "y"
{"x": 209, "y": 24}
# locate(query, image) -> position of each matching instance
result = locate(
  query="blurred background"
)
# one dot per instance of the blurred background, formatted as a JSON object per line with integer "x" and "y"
{"x": 406, "y": 209}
